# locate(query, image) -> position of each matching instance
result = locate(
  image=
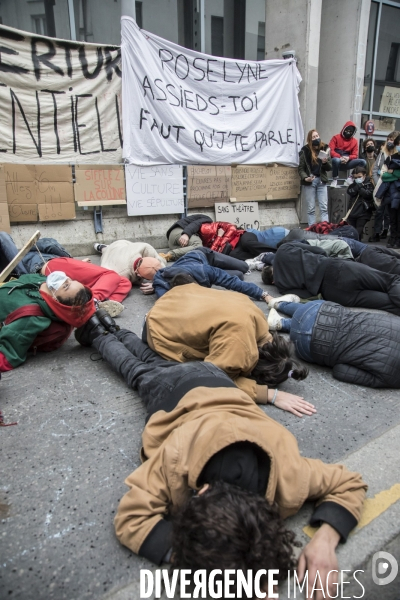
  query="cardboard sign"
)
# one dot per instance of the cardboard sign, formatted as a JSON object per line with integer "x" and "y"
{"x": 241, "y": 214}
{"x": 34, "y": 185}
{"x": 248, "y": 182}
{"x": 4, "y": 218}
{"x": 100, "y": 186}
{"x": 56, "y": 211}
{"x": 154, "y": 190}
{"x": 207, "y": 184}
{"x": 283, "y": 183}
{"x": 390, "y": 101}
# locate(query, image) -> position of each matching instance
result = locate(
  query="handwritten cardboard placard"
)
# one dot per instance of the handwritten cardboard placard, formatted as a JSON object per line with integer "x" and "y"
{"x": 241, "y": 214}
{"x": 207, "y": 184}
{"x": 390, "y": 101}
{"x": 99, "y": 186}
{"x": 154, "y": 190}
{"x": 4, "y": 218}
{"x": 248, "y": 182}
{"x": 282, "y": 183}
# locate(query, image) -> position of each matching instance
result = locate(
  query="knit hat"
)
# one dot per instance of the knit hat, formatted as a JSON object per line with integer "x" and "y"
{"x": 147, "y": 267}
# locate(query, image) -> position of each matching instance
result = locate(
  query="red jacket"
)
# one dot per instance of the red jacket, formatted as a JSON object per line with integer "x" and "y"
{"x": 340, "y": 146}
{"x": 210, "y": 238}
{"x": 104, "y": 283}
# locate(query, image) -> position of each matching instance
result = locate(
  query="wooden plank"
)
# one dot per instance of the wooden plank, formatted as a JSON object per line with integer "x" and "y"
{"x": 100, "y": 203}
{"x": 23, "y": 252}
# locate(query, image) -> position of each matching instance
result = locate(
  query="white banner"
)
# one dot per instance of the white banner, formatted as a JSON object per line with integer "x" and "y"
{"x": 59, "y": 100}
{"x": 183, "y": 107}
{"x": 156, "y": 190}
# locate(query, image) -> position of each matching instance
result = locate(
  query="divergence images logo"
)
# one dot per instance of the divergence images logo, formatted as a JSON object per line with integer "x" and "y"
{"x": 384, "y": 568}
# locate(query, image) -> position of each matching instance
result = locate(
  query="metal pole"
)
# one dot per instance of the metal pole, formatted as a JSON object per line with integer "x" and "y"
{"x": 128, "y": 9}
{"x": 202, "y": 27}
{"x": 71, "y": 11}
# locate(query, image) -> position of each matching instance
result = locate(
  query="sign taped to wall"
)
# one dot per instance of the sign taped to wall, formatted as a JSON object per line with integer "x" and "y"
{"x": 183, "y": 107}
{"x": 242, "y": 214}
{"x": 207, "y": 184}
{"x": 59, "y": 100}
{"x": 154, "y": 190}
{"x": 99, "y": 187}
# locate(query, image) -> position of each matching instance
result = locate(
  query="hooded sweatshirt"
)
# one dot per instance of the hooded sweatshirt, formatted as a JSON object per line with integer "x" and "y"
{"x": 341, "y": 147}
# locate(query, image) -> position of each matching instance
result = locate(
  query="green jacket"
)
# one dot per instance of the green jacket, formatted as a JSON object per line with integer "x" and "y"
{"x": 395, "y": 176}
{"x": 17, "y": 337}
{"x": 304, "y": 167}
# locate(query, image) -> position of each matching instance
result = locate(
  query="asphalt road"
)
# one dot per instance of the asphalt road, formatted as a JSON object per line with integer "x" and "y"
{"x": 78, "y": 436}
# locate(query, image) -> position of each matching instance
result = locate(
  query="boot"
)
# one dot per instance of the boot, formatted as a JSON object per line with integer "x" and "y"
{"x": 384, "y": 234}
{"x": 90, "y": 331}
{"x": 375, "y": 238}
{"x": 396, "y": 245}
{"x": 390, "y": 243}
{"x": 107, "y": 321}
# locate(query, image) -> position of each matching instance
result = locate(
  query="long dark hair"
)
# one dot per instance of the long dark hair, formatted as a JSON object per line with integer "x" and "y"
{"x": 81, "y": 298}
{"x": 275, "y": 361}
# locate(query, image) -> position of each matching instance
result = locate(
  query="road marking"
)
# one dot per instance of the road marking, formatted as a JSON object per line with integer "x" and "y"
{"x": 373, "y": 507}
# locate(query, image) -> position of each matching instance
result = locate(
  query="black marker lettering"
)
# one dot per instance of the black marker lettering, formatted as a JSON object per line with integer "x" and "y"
{"x": 53, "y": 93}
{"x": 147, "y": 86}
{"x": 199, "y": 69}
{"x": 165, "y": 60}
{"x": 173, "y": 95}
{"x": 4, "y": 67}
{"x": 209, "y": 60}
{"x": 43, "y": 58}
{"x": 225, "y": 79}
{"x": 211, "y": 98}
{"x": 161, "y": 90}
{"x": 186, "y": 65}
{"x": 234, "y": 100}
{"x": 178, "y": 128}
{"x": 84, "y": 63}
{"x": 38, "y": 144}
{"x": 103, "y": 149}
{"x": 142, "y": 118}
{"x": 112, "y": 64}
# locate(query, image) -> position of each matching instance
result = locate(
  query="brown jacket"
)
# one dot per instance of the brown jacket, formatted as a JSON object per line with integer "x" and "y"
{"x": 191, "y": 322}
{"x": 178, "y": 444}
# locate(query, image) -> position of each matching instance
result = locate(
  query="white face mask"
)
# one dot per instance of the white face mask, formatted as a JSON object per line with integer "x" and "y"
{"x": 359, "y": 180}
{"x": 55, "y": 280}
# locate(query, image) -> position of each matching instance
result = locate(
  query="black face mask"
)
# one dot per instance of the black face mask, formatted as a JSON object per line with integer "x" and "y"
{"x": 316, "y": 142}
{"x": 348, "y": 133}
{"x": 390, "y": 145}
{"x": 370, "y": 148}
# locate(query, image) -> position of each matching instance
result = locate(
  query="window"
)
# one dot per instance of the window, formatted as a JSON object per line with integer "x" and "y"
{"x": 39, "y": 24}
{"x": 139, "y": 13}
{"x": 217, "y": 36}
{"x": 261, "y": 41}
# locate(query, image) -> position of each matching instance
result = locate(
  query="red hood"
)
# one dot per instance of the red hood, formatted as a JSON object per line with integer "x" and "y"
{"x": 349, "y": 124}
{"x": 73, "y": 315}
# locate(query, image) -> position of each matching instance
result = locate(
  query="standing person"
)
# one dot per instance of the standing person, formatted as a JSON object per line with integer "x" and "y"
{"x": 361, "y": 200}
{"x": 344, "y": 152}
{"x": 313, "y": 172}
{"x": 382, "y": 212}
{"x": 369, "y": 154}
{"x": 389, "y": 194}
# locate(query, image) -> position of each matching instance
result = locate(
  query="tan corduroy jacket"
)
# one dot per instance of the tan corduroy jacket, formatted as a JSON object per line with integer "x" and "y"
{"x": 120, "y": 256}
{"x": 178, "y": 444}
{"x": 191, "y": 322}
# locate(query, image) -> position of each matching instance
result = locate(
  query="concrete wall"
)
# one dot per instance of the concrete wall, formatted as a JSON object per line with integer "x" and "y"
{"x": 78, "y": 236}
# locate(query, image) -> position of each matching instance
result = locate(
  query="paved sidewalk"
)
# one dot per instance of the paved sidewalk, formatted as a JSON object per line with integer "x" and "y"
{"x": 78, "y": 437}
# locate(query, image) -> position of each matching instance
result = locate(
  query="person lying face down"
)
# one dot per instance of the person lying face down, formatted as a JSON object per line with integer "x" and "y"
{"x": 307, "y": 271}
{"x": 57, "y": 300}
{"x": 218, "y": 475}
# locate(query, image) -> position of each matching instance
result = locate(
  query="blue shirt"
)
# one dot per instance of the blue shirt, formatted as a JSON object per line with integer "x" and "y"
{"x": 270, "y": 237}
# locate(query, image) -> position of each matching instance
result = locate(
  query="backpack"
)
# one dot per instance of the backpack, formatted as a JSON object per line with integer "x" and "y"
{"x": 48, "y": 340}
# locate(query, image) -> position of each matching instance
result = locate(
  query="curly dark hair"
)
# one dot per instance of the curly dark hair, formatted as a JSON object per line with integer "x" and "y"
{"x": 275, "y": 361}
{"x": 80, "y": 299}
{"x": 267, "y": 275}
{"x": 228, "y": 527}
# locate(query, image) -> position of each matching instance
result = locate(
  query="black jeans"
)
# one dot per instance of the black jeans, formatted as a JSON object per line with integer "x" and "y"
{"x": 353, "y": 284}
{"x": 160, "y": 383}
{"x": 359, "y": 224}
{"x": 394, "y": 215}
{"x": 381, "y": 218}
{"x": 382, "y": 259}
{"x": 231, "y": 265}
{"x": 249, "y": 247}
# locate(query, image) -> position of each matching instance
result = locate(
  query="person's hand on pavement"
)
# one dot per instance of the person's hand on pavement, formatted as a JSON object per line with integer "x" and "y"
{"x": 86, "y": 260}
{"x": 294, "y": 404}
{"x": 183, "y": 240}
{"x": 147, "y": 288}
{"x": 319, "y": 556}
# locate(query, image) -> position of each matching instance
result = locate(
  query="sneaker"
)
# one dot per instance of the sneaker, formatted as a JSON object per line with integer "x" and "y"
{"x": 113, "y": 307}
{"x": 92, "y": 329}
{"x": 252, "y": 264}
{"x": 348, "y": 181}
{"x": 107, "y": 321}
{"x": 287, "y": 298}
{"x": 99, "y": 247}
{"x": 375, "y": 238}
{"x": 274, "y": 320}
{"x": 333, "y": 183}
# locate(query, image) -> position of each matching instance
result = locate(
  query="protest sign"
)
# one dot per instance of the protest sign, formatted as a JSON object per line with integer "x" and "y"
{"x": 249, "y": 182}
{"x": 154, "y": 190}
{"x": 207, "y": 184}
{"x": 282, "y": 183}
{"x": 99, "y": 187}
{"x": 241, "y": 214}
{"x": 4, "y": 217}
{"x": 59, "y": 100}
{"x": 180, "y": 106}
{"x": 390, "y": 101}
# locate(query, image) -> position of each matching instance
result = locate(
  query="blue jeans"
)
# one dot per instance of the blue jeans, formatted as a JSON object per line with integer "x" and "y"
{"x": 356, "y": 247}
{"x": 33, "y": 261}
{"x": 317, "y": 191}
{"x": 8, "y": 250}
{"x": 300, "y": 326}
{"x": 337, "y": 165}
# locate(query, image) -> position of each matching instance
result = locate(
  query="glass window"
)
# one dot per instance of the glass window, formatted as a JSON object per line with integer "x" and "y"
{"x": 217, "y": 36}
{"x": 369, "y": 59}
{"x": 44, "y": 18}
{"x": 387, "y": 75}
{"x": 261, "y": 41}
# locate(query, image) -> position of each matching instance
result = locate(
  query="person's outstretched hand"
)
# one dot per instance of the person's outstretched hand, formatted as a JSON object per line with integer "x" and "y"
{"x": 183, "y": 240}
{"x": 294, "y": 404}
{"x": 319, "y": 555}
{"x": 147, "y": 288}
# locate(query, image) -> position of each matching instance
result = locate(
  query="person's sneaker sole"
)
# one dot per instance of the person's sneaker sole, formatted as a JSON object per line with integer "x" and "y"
{"x": 274, "y": 320}
{"x": 113, "y": 307}
{"x": 287, "y": 298}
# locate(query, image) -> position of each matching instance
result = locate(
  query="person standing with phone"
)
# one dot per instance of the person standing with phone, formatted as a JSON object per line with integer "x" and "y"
{"x": 315, "y": 162}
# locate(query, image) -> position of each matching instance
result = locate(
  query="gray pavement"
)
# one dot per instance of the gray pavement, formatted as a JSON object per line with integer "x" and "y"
{"x": 78, "y": 436}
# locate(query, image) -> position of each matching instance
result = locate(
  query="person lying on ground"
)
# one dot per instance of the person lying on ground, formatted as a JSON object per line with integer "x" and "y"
{"x": 36, "y": 312}
{"x": 307, "y": 271}
{"x": 44, "y": 250}
{"x": 109, "y": 289}
{"x": 183, "y": 236}
{"x": 120, "y": 256}
{"x": 205, "y": 266}
{"x": 361, "y": 347}
{"x": 218, "y": 474}
{"x": 341, "y": 229}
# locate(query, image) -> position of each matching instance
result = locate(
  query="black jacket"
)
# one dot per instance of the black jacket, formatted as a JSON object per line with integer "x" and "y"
{"x": 361, "y": 348}
{"x": 305, "y": 163}
{"x": 190, "y": 224}
{"x": 361, "y": 199}
{"x": 300, "y": 269}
